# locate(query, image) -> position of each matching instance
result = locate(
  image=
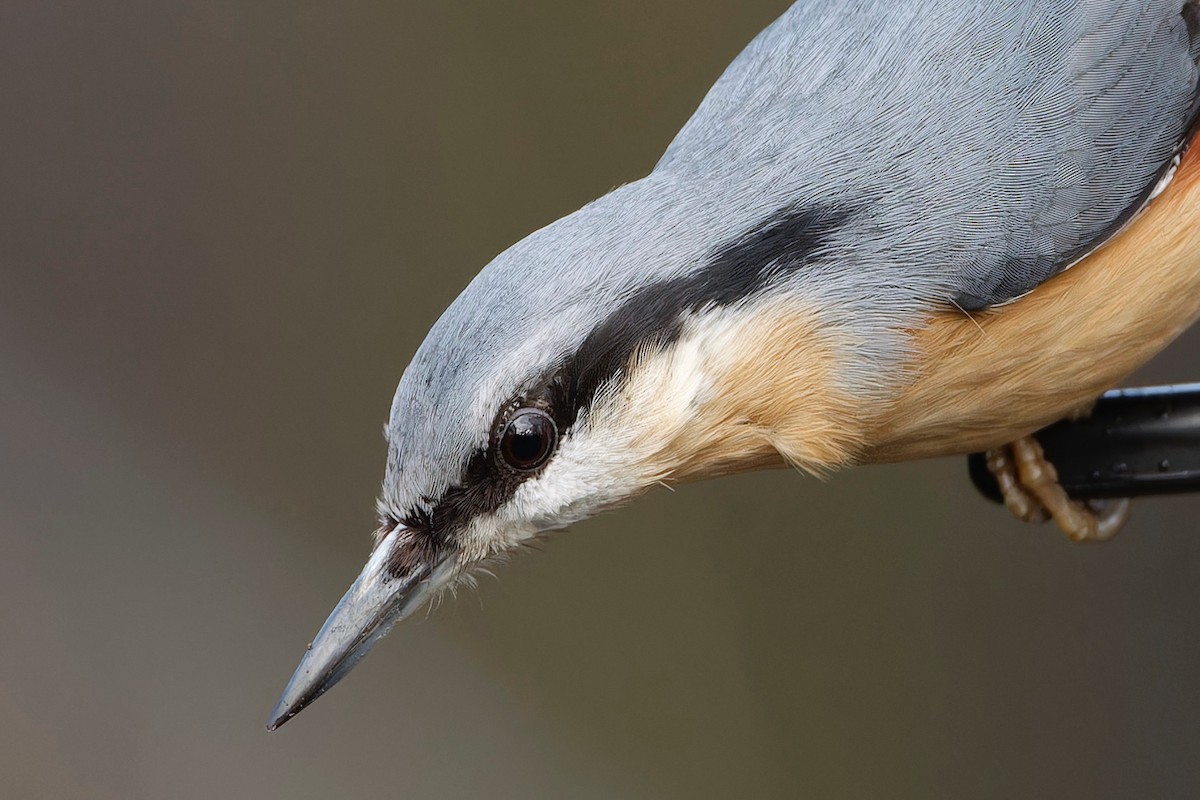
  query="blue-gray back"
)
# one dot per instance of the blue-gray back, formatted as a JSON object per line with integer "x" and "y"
{"x": 1003, "y": 140}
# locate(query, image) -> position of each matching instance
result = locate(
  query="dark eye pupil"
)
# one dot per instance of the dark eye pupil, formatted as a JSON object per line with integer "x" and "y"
{"x": 526, "y": 446}
{"x": 528, "y": 439}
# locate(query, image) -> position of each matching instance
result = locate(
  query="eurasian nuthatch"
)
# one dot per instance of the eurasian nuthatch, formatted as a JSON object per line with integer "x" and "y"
{"x": 894, "y": 229}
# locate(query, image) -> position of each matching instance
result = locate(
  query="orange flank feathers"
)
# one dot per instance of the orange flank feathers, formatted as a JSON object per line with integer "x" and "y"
{"x": 987, "y": 379}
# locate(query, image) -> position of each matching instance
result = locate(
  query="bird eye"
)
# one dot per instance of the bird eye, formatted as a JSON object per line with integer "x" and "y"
{"x": 528, "y": 439}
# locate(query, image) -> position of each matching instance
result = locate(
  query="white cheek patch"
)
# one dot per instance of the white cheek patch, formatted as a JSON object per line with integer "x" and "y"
{"x": 618, "y": 448}
{"x": 490, "y": 535}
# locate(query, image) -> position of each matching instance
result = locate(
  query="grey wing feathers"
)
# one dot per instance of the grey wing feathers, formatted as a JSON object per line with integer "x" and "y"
{"x": 1133, "y": 86}
{"x": 996, "y": 141}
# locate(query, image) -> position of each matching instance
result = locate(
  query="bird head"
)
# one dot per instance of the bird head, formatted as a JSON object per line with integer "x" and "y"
{"x": 620, "y": 348}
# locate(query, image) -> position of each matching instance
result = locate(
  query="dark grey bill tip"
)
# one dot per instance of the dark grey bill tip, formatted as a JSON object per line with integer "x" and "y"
{"x": 372, "y": 605}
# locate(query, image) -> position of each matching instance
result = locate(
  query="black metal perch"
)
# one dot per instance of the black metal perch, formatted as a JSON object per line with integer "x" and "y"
{"x": 1135, "y": 443}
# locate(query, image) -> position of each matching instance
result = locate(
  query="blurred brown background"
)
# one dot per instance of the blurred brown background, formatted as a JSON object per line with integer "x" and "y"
{"x": 226, "y": 226}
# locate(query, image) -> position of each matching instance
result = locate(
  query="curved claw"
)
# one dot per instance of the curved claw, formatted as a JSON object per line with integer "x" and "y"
{"x": 1029, "y": 484}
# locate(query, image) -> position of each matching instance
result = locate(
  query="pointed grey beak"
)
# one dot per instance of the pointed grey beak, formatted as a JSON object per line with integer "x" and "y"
{"x": 369, "y": 609}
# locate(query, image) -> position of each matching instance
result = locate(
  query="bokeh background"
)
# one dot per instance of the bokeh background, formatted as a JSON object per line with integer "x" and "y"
{"x": 225, "y": 227}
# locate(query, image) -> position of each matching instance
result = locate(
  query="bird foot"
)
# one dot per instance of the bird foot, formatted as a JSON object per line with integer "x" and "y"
{"x": 1032, "y": 493}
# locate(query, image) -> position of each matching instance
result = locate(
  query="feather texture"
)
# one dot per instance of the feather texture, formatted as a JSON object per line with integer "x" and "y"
{"x": 1001, "y": 141}
{"x": 958, "y": 152}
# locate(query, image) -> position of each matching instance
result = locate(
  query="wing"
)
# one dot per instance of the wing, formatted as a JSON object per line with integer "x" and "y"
{"x": 995, "y": 143}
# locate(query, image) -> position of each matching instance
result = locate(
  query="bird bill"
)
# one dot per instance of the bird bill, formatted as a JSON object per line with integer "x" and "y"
{"x": 374, "y": 603}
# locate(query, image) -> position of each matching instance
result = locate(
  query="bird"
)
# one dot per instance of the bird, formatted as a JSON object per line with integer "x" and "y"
{"x": 890, "y": 231}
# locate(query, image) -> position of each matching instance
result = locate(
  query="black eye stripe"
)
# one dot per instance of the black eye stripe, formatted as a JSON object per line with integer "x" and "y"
{"x": 780, "y": 245}
{"x": 488, "y": 482}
